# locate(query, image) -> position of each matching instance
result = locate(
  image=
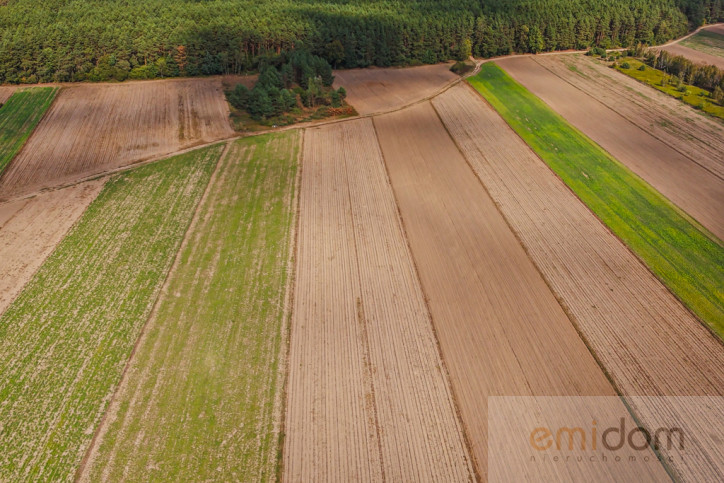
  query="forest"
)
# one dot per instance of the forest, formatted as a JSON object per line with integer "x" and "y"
{"x": 99, "y": 40}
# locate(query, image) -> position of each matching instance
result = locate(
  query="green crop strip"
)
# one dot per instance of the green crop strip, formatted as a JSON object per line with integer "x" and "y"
{"x": 65, "y": 340}
{"x": 207, "y": 374}
{"x": 688, "y": 259}
{"x": 19, "y": 116}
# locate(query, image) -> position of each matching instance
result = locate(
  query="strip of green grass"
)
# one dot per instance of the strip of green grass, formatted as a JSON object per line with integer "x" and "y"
{"x": 19, "y": 116}
{"x": 689, "y": 260}
{"x": 705, "y": 41}
{"x": 199, "y": 399}
{"x": 694, "y": 96}
{"x": 65, "y": 340}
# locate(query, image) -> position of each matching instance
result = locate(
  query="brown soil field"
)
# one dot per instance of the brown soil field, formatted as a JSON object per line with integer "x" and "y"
{"x": 717, "y": 29}
{"x": 671, "y": 121}
{"x": 91, "y": 128}
{"x": 695, "y": 55}
{"x": 500, "y": 328}
{"x": 368, "y": 397}
{"x": 375, "y": 90}
{"x": 31, "y": 228}
{"x": 646, "y": 340}
{"x": 685, "y": 182}
{"x": 5, "y": 93}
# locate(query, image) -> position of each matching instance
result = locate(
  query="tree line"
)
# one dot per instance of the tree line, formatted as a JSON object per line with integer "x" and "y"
{"x": 99, "y": 40}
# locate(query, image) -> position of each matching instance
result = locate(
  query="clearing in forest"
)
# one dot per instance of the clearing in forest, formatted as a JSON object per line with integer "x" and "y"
{"x": 687, "y": 259}
{"x": 368, "y": 397}
{"x": 65, "y": 340}
{"x": 93, "y": 128}
{"x": 627, "y": 317}
{"x": 18, "y": 117}
{"x": 501, "y": 330}
{"x": 201, "y": 398}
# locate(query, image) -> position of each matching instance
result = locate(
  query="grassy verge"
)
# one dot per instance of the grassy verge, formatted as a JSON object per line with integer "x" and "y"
{"x": 19, "y": 116}
{"x": 692, "y": 95}
{"x": 708, "y": 42}
{"x": 199, "y": 402}
{"x": 65, "y": 340}
{"x": 689, "y": 260}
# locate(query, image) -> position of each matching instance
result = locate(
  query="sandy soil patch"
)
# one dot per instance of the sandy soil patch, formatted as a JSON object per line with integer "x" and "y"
{"x": 501, "y": 330}
{"x": 368, "y": 397}
{"x": 31, "y": 228}
{"x": 647, "y": 341}
{"x": 384, "y": 89}
{"x": 91, "y": 128}
{"x": 689, "y": 185}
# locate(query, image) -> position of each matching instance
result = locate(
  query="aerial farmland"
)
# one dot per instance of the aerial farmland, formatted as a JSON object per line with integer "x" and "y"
{"x": 479, "y": 254}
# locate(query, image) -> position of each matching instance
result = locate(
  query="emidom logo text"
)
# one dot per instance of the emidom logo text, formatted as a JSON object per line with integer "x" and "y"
{"x": 612, "y": 438}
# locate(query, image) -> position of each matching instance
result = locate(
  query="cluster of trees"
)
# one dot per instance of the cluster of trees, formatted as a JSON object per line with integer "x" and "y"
{"x": 284, "y": 81}
{"x": 707, "y": 77}
{"x": 62, "y": 40}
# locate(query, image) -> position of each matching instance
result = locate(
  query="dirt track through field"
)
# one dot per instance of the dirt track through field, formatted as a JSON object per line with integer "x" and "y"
{"x": 500, "y": 328}
{"x": 647, "y": 341}
{"x": 368, "y": 397}
{"x": 694, "y": 189}
{"x": 90, "y": 129}
{"x": 672, "y": 122}
{"x": 696, "y": 56}
{"x": 375, "y": 90}
{"x": 31, "y": 228}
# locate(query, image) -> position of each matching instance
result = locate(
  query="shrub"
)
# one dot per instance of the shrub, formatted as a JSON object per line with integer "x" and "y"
{"x": 625, "y": 65}
{"x": 642, "y": 67}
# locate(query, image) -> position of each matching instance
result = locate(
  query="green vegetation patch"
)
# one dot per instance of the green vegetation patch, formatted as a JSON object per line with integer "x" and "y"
{"x": 705, "y": 41}
{"x": 19, "y": 116}
{"x": 206, "y": 374}
{"x": 65, "y": 340}
{"x": 689, "y": 260}
{"x": 692, "y": 95}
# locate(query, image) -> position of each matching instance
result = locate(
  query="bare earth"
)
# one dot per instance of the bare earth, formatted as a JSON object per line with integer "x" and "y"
{"x": 695, "y": 55}
{"x": 696, "y": 136}
{"x": 31, "y": 228}
{"x": 685, "y": 182}
{"x": 368, "y": 397}
{"x": 500, "y": 328}
{"x": 717, "y": 29}
{"x": 646, "y": 340}
{"x": 5, "y": 93}
{"x": 375, "y": 90}
{"x": 92, "y": 128}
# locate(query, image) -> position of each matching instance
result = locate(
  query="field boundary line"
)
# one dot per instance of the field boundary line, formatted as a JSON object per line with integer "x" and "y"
{"x": 100, "y": 428}
{"x": 472, "y": 464}
{"x": 630, "y": 121}
{"x": 285, "y": 344}
{"x": 686, "y": 216}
